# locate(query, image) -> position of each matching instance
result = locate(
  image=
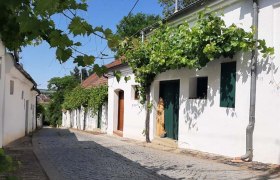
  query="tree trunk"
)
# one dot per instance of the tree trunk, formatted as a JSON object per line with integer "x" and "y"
{"x": 147, "y": 122}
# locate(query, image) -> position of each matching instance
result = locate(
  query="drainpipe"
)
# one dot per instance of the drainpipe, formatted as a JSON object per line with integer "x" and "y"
{"x": 250, "y": 128}
{"x": 176, "y": 6}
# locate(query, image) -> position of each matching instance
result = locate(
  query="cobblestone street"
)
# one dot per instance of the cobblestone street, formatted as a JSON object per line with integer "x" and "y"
{"x": 69, "y": 154}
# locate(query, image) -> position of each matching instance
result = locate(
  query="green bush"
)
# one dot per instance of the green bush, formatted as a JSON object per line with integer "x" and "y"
{"x": 6, "y": 162}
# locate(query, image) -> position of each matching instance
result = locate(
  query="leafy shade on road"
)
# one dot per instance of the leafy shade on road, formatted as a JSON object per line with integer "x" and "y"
{"x": 29, "y": 22}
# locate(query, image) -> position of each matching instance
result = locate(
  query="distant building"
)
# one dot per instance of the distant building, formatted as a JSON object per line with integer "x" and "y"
{"x": 44, "y": 97}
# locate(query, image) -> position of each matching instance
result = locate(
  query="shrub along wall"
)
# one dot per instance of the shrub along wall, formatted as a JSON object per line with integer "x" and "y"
{"x": 86, "y": 109}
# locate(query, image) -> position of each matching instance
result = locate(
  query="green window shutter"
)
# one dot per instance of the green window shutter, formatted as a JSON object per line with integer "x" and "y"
{"x": 228, "y": 83}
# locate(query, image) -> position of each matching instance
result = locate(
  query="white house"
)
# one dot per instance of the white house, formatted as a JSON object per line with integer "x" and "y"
{"x": 203, "y": 114}
{"x": 85, "y": 119}
{"x": 17, "y": 99}
{"x": 126, "y": 116}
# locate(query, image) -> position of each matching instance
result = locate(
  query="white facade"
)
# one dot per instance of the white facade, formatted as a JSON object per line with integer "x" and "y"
{"x": 203, "y": 124}
{"x": 2, "y": 82}
{"x": 134, "y": 112}
{"x": 18, "y": 101}
{"x": 85, "y": 120}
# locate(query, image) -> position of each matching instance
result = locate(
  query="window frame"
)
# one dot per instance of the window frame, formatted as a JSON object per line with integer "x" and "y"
{"x": 195, "y": 82}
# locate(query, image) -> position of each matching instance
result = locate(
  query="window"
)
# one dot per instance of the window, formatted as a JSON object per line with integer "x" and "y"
{"x": 135, "y": 92}
{"x": 227, "y": 87}
{"x": 198, "y": 88}
{"x": 22, "y": 94}
{"x": 12, "y": 84}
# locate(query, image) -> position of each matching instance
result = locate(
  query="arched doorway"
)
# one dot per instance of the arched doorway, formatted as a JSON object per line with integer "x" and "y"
{"x": 121, "y": 110}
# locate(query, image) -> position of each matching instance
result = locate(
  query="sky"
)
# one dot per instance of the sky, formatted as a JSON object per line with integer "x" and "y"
{"x": 40, "y": 61}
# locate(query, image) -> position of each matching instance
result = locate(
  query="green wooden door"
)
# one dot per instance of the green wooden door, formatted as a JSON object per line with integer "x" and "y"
{"x": 169, "y": 92}
{"x": 228, "y": 84}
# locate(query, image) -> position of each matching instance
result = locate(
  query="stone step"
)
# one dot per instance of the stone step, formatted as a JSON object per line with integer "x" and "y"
{"x": 165, "y": 142}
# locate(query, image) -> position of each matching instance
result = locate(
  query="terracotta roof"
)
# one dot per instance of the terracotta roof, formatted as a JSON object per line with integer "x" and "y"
{"x": 93, "y": 81}
{"x": 115, "y": 63}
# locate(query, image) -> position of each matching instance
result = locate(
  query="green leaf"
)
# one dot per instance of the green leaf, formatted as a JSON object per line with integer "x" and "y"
{"x": 63, "y": 54}
{"x": 89, "y": 60}
{"x": 227, "y": 48}
{"x": 80, "y": 61}
{"x": 77, "y": 44}
{"x": 98, "y": 70}
{"x": 58, "y": 39}
{"x": 117, "y": 75}
{"x": 98, "y": 29}
{"x": 44, "y": 6}
{"x": 108, "y": 32}
{"x": 127, "y": 78}
{"x": 76, "y": 26}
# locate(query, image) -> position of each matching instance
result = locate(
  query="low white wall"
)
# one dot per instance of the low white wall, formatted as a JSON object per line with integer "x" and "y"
{"x": 84, "y": 120}
{"x": 39, "y": 121}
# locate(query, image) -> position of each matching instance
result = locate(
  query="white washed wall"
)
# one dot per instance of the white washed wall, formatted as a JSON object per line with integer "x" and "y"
{"x": 14, "y": 107}
{"x": 134, "y": 113}
{"x": 83, "y": 120}
{"x": 39, "y": 121}
{"x": 267, "y": 128}
{"x": 203, "y": 125}
{"x": 2, "y": 82}
{"x": 206, "y": 127}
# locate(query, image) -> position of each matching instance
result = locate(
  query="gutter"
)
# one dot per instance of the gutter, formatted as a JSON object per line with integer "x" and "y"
{"x": 248, "y": 156}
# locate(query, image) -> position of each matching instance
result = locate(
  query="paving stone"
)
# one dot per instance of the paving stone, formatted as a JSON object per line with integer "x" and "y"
{"x": 29, "y": 167}
{"x": 69, "y": 154}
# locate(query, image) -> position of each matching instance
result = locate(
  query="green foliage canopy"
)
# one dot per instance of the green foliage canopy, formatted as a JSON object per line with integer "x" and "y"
{"x": 26, "y": 22}
{"x": 133, "y": 23}
{"x": 92, "y": 99}
{"x": 61, "y": 86}
{"x": 187, "y": 47}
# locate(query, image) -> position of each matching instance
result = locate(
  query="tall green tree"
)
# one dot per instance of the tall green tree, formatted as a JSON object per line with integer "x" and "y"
{"x": 61, "y": 86}
{"x": 84, "y": 73}
{"x": 133, "y": 23}
{"x": 76, "y": 73}
{"x": 169, "y": 5}
{"x": 26, "y": 22}
{"x": 79, "y": 74}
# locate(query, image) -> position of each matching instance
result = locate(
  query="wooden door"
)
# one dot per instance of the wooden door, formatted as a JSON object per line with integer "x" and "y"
{"x": 121, "y": 111}
{"x": 169, "y": 92}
